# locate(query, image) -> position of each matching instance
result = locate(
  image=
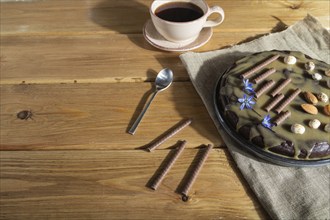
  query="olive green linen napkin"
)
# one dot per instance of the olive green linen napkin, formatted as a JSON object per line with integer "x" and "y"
{"x": 284, "y": 192}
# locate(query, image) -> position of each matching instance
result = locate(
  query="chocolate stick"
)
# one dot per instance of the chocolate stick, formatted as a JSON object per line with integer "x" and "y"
{"x": 195, "y": 172}
{"x": 259, "y": 67}
{"x": 280, "y": 87}
{"x": 156, "y": 182}
{"x": 274, "y": 102}
{"x": 282, "y": 117}
{"x": 168, "y": 134}
{"x": 264, "y": 88}
{"x": 264, "y": 75}
{"x": 287, "y": 101}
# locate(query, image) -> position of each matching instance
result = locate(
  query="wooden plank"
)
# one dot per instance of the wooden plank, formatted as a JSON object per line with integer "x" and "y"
{"x": 94, "y": 58}
{"x": 87, "y": 59}
{"x": 85, "y": 17}
{"x": 112, "y": 185}
{"x": 97, "y": 116}
{"x": 91, "y": 59}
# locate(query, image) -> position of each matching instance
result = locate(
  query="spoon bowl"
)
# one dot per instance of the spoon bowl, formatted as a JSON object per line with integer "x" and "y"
{"x": 163, "y": 80}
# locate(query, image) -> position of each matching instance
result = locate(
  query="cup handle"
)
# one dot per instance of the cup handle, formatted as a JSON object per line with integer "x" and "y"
{"x": 218, "y": 20}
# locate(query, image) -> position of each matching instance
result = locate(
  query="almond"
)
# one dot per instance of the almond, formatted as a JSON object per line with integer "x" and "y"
{"x": 326, "y": 110}
{"x": 327, "y": 72}
{"x": 311, "y": 98}
{"x": 311, "y": 109}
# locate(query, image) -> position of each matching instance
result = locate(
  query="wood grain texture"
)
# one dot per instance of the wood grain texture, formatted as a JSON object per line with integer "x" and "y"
{"x": 84, "y": 70}
{"x": 60, "y": 51}
{"x": 93, "y": 58}
{"x": 112, "y": 185}
{"x": 97, "y": 116}
{"x": 126, "y": 17}
{"x": 83, "y": 59}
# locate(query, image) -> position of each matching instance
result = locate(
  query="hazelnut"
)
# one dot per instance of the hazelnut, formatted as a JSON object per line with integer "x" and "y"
{"x": 314, "y": 123}
{"x": 322, "y": 97}
{"x": 327, "y": 128}
{"x": 317, "y": 76}
{"x": 298, "y": 128}
{"x": 309, "y": 66}
{"x": 290, "y": 60}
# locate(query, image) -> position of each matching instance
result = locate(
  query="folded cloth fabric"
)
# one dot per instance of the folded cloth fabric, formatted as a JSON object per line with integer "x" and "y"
{"x": 284, "y": 192}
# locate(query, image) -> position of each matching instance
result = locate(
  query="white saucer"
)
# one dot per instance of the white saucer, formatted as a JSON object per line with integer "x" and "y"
{"x": 155, "y": 39}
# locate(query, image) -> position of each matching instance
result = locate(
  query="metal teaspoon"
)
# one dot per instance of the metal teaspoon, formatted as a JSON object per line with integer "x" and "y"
{"x": 163, "y": 80}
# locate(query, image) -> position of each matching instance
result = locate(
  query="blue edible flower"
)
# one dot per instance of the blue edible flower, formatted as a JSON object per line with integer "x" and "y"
{"x": 248, "y": 86}
{"x": 246, "y": 101}
{"x": 266, "y": 122}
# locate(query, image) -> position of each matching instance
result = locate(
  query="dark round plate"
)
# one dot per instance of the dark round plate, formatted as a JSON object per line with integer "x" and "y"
{"x": 252, "y": 148}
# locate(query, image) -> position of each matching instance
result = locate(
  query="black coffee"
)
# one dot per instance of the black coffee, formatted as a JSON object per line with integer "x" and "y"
{"x": 179, "y": 12}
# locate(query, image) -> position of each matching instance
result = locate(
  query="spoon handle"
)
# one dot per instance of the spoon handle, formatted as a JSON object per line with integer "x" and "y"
{"x": 138, "y": 120}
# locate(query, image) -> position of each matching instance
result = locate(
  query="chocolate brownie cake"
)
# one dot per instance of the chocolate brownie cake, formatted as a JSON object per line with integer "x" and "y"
{"x": 277, "y": 101}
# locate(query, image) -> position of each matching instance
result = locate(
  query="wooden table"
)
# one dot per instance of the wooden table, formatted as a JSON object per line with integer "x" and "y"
{"x": 84, "y": 71}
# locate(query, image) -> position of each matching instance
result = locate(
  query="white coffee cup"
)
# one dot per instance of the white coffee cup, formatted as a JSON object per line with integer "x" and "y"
{"x": 185, "y": 32}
